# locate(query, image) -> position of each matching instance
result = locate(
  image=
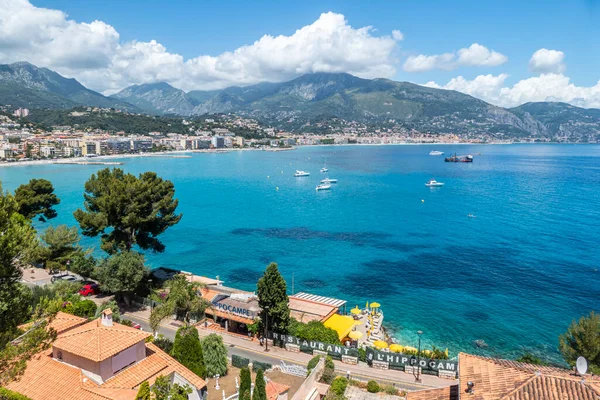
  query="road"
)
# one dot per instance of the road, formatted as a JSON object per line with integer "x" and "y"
{"x": 264, "y": 357}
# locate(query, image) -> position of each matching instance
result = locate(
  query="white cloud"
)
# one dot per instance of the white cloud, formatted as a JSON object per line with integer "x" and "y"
{"x": 93, "y": 53}
{"x": 546, "y": 87}
{"x": 544, "y": 61}
{"x": 474, "y": 55}
{"x": 397, "y": 35}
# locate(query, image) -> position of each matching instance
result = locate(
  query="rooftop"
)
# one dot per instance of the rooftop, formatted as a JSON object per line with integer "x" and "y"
{"x": 305, "y": 310}
{"x": 320, "y": 299}
{"x": 98, "y": 342}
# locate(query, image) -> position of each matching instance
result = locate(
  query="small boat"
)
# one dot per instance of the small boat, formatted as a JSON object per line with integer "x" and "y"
{"x": 300, "y": 174}
{"x": 329, "y": 180}
{"x": 434, "y": 183}
{"x": 323, "y": 186}
{"x": 324, "y": 169}
{"x": 472, "y": 216}
{"x": 436, "y": 153}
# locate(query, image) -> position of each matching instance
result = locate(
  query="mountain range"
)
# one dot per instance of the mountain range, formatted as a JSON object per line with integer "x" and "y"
{"x": 302, "y": 104}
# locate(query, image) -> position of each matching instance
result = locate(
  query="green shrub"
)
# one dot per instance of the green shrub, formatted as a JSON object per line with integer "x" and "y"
{"x": 6, "y": 394}
{"x": 373, "y": 387}
{"x": 187, "y": 349}
{"x": 339, "y": 384}
{"x": 239, "y": 362}
{"x": 362, "y": 354}
{"x": 143, "y": 392}
{"x": 312, "y": 363}
{"x": 84, "y": 308}
{"x": 256, "y": 365}
{"x": 390, "y": 389}
{"x": 314, "y": 331}
{"x": 215, "y": 355}
{"x": 126, "y": 322}
{"x": 164, "y": 343}
{"x": 329, "y": 371}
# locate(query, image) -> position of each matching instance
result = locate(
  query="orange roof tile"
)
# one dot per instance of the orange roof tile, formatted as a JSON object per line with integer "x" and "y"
{"x": 446, "y": 393}
{"x": 510, "y": 380}
{"x": 98, "y": 342}
{"x": 274, "y": 389}
{"x": 61, "y": 322}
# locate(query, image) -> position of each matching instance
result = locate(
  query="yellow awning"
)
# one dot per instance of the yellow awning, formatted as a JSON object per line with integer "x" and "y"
{"x": 375, "y": 305}
{"x": 355, "y": 335}
{"x": 380, "y": 344}
{"x": 355, "y": 310}
{"x": 341, "y": 324}
{"x": 396, "y": 348}
{"x": 410, "y": 348}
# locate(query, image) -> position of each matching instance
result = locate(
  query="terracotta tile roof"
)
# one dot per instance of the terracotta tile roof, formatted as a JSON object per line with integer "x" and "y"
{"x": 510, "y": 380}
{"x": 61, "y": 322}
{"x": 98, "y": 342}
{"x": 46, "y": 378}
{"x": 446, "y": 393}
{"x": 274, "y": 389}
{"x": 155, "y": 364}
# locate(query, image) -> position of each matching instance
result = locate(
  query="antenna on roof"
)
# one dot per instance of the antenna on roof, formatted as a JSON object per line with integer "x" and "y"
{"x": 582, "y": 366}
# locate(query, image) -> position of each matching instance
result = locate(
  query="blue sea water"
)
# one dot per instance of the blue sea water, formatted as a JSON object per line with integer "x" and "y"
{"x": 514, "y": 277}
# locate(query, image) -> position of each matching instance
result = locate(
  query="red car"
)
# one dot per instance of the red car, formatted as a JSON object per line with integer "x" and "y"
{"x": 89, "y": 289}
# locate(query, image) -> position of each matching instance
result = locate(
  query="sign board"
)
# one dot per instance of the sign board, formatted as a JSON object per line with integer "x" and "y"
{"x": 337, "y": 350}
{"x": 403, "y": 360}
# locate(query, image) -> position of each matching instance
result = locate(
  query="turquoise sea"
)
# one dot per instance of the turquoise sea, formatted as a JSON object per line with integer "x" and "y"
{"x": 515, "y": 276}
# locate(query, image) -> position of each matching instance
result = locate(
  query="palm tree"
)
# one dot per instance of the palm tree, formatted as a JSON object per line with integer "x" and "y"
{"x": 182, "y": 296}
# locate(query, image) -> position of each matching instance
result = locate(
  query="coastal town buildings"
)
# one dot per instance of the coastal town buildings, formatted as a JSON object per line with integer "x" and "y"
{"x": 99, "y": 359}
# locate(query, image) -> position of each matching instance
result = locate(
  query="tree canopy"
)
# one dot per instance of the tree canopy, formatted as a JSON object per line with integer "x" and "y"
{"x": 126, "y": 210}
{"x": 182, "y": 297}
{"x": 273, "y": 299}
{"x": 37, "y": 198}
{"x": 163, "y": 389}
{"x": 143, "y": 392}
{"x": 122, "y": 273}
{"x": 582, "y": 338}
{"x": 188, "y": 350}
{"x": 245, "y": 381}
{"x": 215, "y": 355}
{"x": 313, "y": 331}
{"x": 260, "y": 389}
{"x": 17, "y": 239}
{"x": 61, "y": 245}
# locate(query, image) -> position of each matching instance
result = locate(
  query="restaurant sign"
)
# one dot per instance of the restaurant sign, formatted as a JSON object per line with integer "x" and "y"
{"x": 305, "y": 345}
{"x": 404, "y": 360}
{"x": 244, "y": 312}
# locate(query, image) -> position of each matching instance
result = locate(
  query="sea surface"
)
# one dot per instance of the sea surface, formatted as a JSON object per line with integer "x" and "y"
{"x": 513, "y": 277}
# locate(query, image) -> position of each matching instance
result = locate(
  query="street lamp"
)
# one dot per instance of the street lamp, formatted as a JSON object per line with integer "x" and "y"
{"x": 266, "y": 328}
{"x": 418, "y": 377}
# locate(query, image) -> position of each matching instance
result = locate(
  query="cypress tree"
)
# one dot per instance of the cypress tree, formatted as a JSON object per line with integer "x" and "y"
{"x": 144, "y": 392}
{"x": 260, "y": 389}
{"x": 215, "y": 355}
{"x": 188, "y": 350}
{"x": 245, "y": 382}
{"x": 272, "y": 294}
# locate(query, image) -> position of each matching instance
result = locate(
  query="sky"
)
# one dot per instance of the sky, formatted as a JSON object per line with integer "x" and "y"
{"x": 505, "y": 52}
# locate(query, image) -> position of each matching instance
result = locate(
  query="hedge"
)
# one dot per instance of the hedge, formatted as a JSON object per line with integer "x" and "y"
{"x": 239, "y": 362}
{"x": 6, "y": 394}
{"x": 256, "y": 365}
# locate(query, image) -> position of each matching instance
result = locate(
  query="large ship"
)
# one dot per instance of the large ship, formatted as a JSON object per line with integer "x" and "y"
{"x": 455, "y": 158}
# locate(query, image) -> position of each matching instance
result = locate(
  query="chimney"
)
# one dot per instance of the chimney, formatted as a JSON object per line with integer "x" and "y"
{"x": 107, "y": 317}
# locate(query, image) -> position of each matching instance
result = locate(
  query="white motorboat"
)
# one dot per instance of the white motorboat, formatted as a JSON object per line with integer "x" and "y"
{"x": 434, "y": 183}
{"x": 300, "y": 174}
{"x": 323, "y": 186}
{"x": 436, "y": 153}
{"x": 329, "y": 180}
{"x": 324, "y": 169}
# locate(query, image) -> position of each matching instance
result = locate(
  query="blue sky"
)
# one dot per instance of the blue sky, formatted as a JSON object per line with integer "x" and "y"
{"x": 513, "y": 29}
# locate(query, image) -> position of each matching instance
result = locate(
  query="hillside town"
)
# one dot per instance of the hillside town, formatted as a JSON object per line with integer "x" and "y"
{"x": 21, "y": 140}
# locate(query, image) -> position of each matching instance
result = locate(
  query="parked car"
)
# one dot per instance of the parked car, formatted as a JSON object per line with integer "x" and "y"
{"x": 136, "y": 326}
{"x": 89, "y": 289}
{"x": 69, "y": 278}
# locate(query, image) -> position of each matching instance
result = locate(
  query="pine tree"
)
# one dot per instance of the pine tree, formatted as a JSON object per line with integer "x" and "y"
{"x": 260, "y": 389}
{"x": 245, "y": 382}
{"x": 144, "y": 392}
{"x": 273, "y": 299}
{"x": 187, "y": 349}
{"x": 583, "y": 339}
{"x": 37, "y": 198}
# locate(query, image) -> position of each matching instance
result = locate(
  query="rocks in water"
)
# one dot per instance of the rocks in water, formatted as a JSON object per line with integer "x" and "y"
{"x": 480, "y": 344}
